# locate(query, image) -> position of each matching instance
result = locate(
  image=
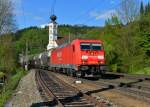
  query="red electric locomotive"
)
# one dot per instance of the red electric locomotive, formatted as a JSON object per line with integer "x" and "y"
{"x": 80, "y": 58}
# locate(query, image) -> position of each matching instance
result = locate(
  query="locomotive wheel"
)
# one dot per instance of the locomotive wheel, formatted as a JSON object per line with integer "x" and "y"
{"x": 80, "y": 74}
{"x": 68, "y": 71}
{"x": 102, "y": 74}
{"x": 72, "y": 73}
{"x": 64, "y": 71}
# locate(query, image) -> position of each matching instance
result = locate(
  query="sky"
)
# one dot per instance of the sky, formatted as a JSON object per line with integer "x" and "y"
{"x": 88, "y": 12}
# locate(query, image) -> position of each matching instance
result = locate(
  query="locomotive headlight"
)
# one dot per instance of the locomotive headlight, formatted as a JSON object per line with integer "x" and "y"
{"x": 84, "y": 57}
{"x": 100, "y": 57}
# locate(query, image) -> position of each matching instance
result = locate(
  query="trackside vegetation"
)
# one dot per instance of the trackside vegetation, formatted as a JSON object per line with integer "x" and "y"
{"x": 10, "y": 73}
{"x": 10, "y": 86}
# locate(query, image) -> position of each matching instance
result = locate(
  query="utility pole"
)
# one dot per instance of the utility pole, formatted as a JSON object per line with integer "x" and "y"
{"x": 69, "y": 37}
{"x": 26, "y": 56}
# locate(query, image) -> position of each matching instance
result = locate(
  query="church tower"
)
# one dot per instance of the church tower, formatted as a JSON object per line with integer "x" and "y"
{"x": 52, "y": 33}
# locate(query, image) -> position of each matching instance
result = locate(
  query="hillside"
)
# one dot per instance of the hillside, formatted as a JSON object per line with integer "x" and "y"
{"x": 127, "y": 46}
{"x": 123, "y": 51}
{"x": 37, "y": 38}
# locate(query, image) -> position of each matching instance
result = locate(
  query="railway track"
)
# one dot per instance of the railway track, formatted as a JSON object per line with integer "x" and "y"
{"x": 133, "y": 88}
{"x": 139, "y": 82}
{"x": 61, "y": 94}
{"x": 129, "y": 89}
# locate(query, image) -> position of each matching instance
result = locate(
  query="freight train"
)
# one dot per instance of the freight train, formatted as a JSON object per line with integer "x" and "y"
{"x": 79, "y": 58}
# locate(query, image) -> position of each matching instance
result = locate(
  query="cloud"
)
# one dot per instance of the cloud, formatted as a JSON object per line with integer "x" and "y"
{"x": 17, "y": 2}
{"x": 104, "y": 15}
{"x": 43, "y": 25}
{"x": 22, "y": 13}
{"x": 19, "y": 13}
{"x": 28, "y": 15}
{"x": 39, "y": 18}
{"x": 17, "y": 7}
{"x": 112, "y": 2}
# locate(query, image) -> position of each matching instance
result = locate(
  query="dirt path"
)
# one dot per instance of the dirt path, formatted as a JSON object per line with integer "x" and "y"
{"x": 26, "y": 92}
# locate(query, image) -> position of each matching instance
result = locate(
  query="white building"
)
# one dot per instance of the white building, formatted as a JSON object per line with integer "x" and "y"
{"x": 52, "y": 33}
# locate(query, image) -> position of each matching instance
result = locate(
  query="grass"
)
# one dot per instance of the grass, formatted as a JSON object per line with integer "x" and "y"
{"x": 144, "y": 71}
{"x": 9, "y": 88}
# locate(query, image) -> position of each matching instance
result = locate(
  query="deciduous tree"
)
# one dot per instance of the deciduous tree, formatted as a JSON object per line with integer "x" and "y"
{"x": 7, "y": 22}
{"x": 128, "y": 10}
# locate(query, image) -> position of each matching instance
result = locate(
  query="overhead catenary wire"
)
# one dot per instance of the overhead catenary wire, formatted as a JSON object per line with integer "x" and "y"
{"x": 93, "y": 8}
{"x": 91, "y": 18}
{"x": 23, "y": 13}
{"x": 112, "y": 7}
{"x": 53, "y": 7}
{"x": 87, "y": 12}
{"x": 25, "y": 25}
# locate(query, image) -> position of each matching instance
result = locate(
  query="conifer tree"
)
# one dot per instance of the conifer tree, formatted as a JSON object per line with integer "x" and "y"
{"x": 142, "y": 9}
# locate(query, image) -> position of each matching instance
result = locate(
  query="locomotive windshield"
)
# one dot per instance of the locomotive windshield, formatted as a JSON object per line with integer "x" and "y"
{"x": 85, "y": 46}
{"x": 96, "y": 46}
{"x": 91, "y": 46}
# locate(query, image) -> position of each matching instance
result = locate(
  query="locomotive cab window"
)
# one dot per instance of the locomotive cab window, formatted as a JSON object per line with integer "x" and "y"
{"x": 91, "y": 46}
{"x": 85, "y": 46}
{"x": 96, "y": 46}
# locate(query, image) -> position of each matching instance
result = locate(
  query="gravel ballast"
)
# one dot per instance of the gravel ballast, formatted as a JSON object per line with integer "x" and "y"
{"x": 111, "y": 97}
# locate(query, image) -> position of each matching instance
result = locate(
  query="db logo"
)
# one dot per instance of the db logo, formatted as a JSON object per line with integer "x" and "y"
{"x": 59, "y": 54}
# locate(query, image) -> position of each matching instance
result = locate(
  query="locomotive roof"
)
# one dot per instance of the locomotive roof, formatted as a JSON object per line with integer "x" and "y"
{"x": 79, "y": 40}
{"x": 64, "y": 40}
{"x": 87, "y": 40}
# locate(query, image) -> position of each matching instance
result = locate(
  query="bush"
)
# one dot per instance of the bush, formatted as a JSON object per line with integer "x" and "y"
{"x": 145, "y": 71}
{"x": 9, "y": 88}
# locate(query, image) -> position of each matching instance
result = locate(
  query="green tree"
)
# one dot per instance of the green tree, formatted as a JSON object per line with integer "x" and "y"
{"x": 7, "y": 54}
{"x": 142, "y": 9}
{"x": 144, "y": 24}
{"x": 131, "y": 54}
{"x": 128, "y": 48}
{"x": 147, "y": 9}
{"x": 36, "y": 38}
